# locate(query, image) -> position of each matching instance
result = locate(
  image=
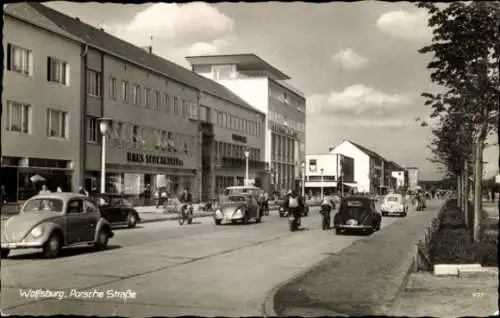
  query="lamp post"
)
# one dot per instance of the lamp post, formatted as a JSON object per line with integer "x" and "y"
{"x": 103, "y": 126}
{"x": 321, "y": 183}
{"x": 247, "y": 154}
{"x": 303, "y": 168}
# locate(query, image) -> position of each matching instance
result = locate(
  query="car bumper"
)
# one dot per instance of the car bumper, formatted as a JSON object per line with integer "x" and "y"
{"x": 393, "y": 212}
{"x": 19, "y": 245}
{"x": 353, "y": 227}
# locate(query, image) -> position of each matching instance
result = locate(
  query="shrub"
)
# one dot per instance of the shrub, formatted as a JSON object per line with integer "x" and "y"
{"x": 452, "y": 246}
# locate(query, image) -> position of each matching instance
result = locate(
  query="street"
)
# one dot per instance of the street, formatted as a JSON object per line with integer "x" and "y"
{"x": 199, "y": 269}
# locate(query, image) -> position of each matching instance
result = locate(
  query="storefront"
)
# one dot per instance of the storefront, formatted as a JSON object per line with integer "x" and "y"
{"x": 23, "y": 177}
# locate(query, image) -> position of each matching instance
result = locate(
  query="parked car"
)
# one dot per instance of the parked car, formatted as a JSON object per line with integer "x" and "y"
{"x": 357, "y": 214}
{"x": 53, "y": 221}
{"x": 394, "y": 204}
{"x": 241, "y": 207}
{"x": 117, "y": 210}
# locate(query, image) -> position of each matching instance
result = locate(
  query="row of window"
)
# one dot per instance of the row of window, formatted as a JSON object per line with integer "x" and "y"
{"x": 123, "y": 132}
{"x": 20, "y": 60}
{"x": 281, "y": 119}
{"x": 245, "y": 126}
{"x": 283, "y": 148}
{"x": 289, "y": 100}
{"x": 19, "y": 119}
{"x": 228, "y": 150}
{"x": 283, "y": 174}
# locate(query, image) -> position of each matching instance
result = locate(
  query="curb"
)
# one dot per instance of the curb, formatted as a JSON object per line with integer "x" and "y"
{"x": 175, "y": 218}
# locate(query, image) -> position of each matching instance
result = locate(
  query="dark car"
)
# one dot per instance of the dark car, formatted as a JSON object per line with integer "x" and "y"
{"x": 117, "y": 210}
{"x": 283, "y": 212}
{"x": 357, "y": 214}
{"x": 241, "y": 207}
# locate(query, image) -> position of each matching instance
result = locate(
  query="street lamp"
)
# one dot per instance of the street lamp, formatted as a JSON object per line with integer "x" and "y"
{"x": 303, "y": 168}
{"x": 247, "y": 155}
{"x": 321, "y": 183}
{"x": 103, "y": 126}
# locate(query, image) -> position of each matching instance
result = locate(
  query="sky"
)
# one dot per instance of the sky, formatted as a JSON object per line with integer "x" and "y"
{"x": 356, "y": 62}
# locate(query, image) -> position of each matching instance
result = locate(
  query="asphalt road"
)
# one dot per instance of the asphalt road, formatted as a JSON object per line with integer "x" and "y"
{"x": 163, "y": 269}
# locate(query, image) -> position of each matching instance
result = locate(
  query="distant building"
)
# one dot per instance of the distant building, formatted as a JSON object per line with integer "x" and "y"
{"x": 398, "y": 173}
{"x": 412, "y": 177}
{"x": 328, "y": 171}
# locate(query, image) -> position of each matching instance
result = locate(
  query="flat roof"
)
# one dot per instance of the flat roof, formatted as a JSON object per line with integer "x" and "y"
{"x": 245, "y": 62}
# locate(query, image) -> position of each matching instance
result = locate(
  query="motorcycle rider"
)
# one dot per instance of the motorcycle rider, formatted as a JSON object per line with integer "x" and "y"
{"x": 327, "y": 206}
{"x": 294, "y": 204}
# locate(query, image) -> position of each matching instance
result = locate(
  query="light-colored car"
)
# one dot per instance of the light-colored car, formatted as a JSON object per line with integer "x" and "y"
{"x": 238, "y": 207}
{"x": 52, "y": 221}
{"x": 394, "y": 204}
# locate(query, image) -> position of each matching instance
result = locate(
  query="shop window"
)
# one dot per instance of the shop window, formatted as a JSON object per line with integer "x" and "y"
{"x": 58, "y": 71}
{"x": 93, "y": 83}
{"x": 125, "y": 93}
{"x": 19, "y": 59}
{"x": 91, "y": 129}
{"x": 57, "y": 123}
{"x": 18, "y": 117}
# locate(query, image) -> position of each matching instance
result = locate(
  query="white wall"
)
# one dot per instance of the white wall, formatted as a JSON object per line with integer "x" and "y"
{"x": 400, "y": 177}
{"x": 328, "y": 162}
{"x": 361, "y": 164}
{"x": 252, "y": 90}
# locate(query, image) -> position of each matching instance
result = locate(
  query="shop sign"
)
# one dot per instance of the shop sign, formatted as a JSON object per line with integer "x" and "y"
{"x": 283, "y": 130}
{"x": 239, "y": 138}
{"x": 134, "y": 157}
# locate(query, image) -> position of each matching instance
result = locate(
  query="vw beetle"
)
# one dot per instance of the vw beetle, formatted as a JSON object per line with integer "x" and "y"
{"x": 52, "y": 221}
{"x": 238, "y": 207}
{"x": 357, "y": 214}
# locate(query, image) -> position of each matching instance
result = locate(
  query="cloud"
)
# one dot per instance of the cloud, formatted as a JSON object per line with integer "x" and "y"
{"x": 349, "y": 59}
{"x": 355, "y": 100}
{"x": 405, "y": 25}
{"x": 178, "y": 30}
{"x": 372, "y": 123}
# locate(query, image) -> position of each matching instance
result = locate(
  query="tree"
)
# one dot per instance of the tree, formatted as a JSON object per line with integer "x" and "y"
{"x": 466, "y": 49}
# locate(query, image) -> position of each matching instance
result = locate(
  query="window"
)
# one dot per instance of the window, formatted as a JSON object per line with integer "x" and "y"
{"x": 56, "y": 123}
{"x": 125, "y": 91}
{"x": 91, "y": 129}
{"x": 203, "y": 113}
{"x": 19, "y": 60}
{"x": 147, "y": 94}
{"x": 185, "y": 110}
{"x": 224, "y": 120}
{"x": 112, "y": 87}
{"x": 57, "y": 71}
{"x": 167, "y": 103}
{"x": 18, "y": 117}
{"x": 176, "y": 106}
{"x": 136, "y": 98}
{"x": 157, "y": 101}
{"x": 93, "y": 83}
{"x": 223, "y": 71}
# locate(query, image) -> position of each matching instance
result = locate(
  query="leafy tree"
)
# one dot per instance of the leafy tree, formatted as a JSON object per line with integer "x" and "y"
{"x": 466, "y": 49}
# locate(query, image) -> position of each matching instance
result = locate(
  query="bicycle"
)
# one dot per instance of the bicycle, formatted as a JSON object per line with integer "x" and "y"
{"x": 186, "y": 214}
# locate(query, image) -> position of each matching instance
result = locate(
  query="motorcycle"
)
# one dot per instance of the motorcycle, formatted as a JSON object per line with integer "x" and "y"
{"x": 294, "y": 223}
{"x": 326, "y": 219}
{"x": 186, "y": 214}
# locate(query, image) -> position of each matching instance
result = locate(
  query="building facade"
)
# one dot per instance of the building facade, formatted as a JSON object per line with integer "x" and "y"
{"x": 168, "y": 127}
{"x": 41, "y": 120}
{"x": 412, "y": 177}
{"x": 332, "y": 172}
{"x": 262, "y": 86}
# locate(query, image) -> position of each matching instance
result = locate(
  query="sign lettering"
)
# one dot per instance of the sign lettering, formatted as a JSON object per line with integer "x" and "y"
{"x": 283, "y": 130}
{"x": 134, "y": 157}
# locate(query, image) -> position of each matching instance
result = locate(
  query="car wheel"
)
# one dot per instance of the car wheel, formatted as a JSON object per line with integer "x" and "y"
{"x": 338, "y": 231}
{"x": 259, "y": 217}
{"x": 404, "y": 214}
{"x": 245, "y": 219}
{"x": 5, "y": 252}
{"x": 102, "y": 240}
{"x": 131, "y": 220}
{"x": 218, "y": 222}
{"x": 52, "y": 247}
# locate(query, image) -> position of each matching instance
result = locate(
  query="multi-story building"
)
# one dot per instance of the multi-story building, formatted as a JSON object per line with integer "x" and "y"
{"x": 372, "y": 172}
{"x": 262, "y": 86}
{"x": 332, "y": 172}
{"x": 41, "y": 121}
{"x": 412, "y": 177}
{"x": 164, "y": 119}
{"x": 398, "y": 173}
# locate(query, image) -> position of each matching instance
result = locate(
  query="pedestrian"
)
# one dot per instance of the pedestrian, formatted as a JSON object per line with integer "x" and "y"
{"x": 147, "y": 195}
{"x": 156, "y": 196}
{"x": 163, "y": 197}
{"x": 59, "y": 189}
{"x": 44, "y": 190}
{"x": 492, "y": 194}
{"x": 82, "y": 190}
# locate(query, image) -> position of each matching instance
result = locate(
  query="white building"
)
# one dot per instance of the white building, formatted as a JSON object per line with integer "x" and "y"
{"x": 412, "y": 177}
{"x": 371, "y": 170}
{"x": 324, "y": 171}
{"x": 262, "y": 86}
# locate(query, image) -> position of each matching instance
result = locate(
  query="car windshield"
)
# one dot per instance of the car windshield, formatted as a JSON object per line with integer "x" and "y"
{"x": 43, "y": 205}
{"x": 235, "y": 198}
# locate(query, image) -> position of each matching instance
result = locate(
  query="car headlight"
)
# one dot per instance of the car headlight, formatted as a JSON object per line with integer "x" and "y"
{"x": 238, "y": 213}
{"x": 218, "y": 213}
{"x": 37, "y": 232}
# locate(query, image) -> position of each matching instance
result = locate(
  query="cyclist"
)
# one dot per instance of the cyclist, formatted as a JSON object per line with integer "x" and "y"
{"x": 186, "y": 200}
